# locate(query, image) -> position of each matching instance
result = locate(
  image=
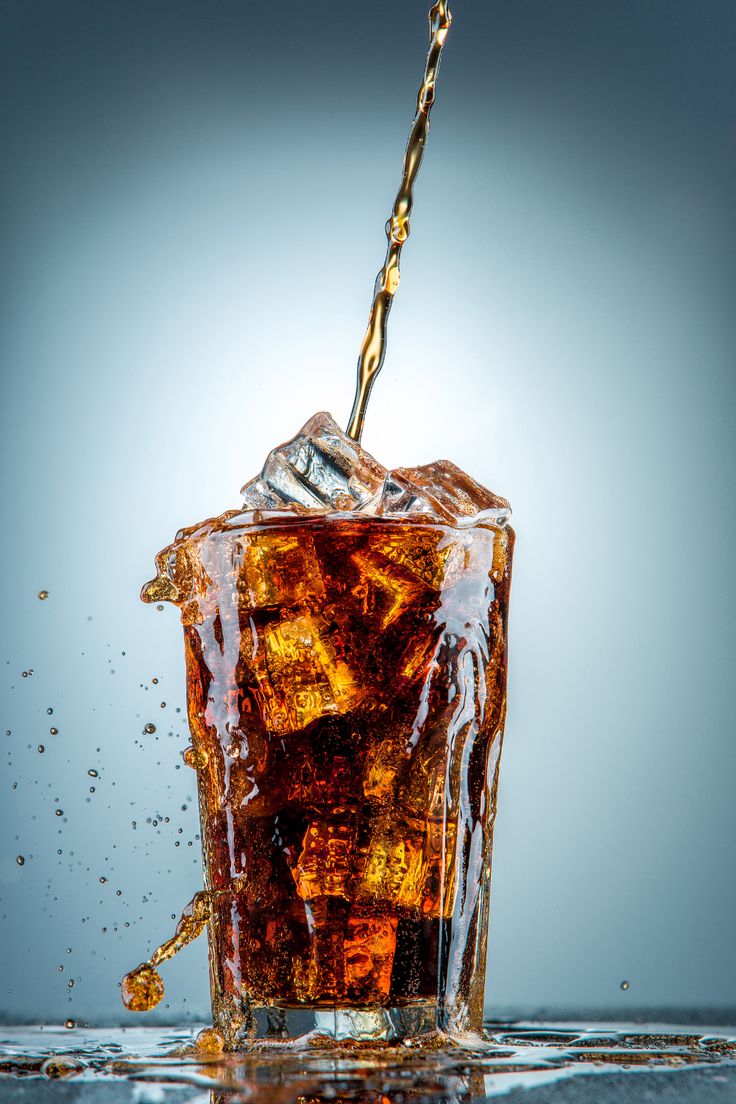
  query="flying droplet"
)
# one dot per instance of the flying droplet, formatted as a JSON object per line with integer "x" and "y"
{"x": 54, "y": 731}
{"x": 149, "y": 729}
{"x": 49, "y": 711}
{"x": 93, "y": 774}
{"x": 70, "y": 1024}
{"x": 210, "y": 1041}
{"x": 58, "y": 812}
{"x": 624, "y": 985}
{"x": 21, "y": 860}
{"x": 142, "y": 988}
{"x": 41, "y": 748}
{"x": 43, "y": 595}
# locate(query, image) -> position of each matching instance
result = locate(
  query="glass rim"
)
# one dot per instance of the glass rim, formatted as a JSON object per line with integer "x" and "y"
{"x": 263, "y": 520}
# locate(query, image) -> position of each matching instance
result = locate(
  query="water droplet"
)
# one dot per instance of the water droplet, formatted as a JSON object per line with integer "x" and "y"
{"x": 41, "y": 748}
{"x": 103, "y": 880}
{"x": 154, "y": 681}
{"x": 624, "y": 985}
{"x": 195, "y": 757}
{"x": 163, "y": 705}
{"x": 159, "y": 608}
{"x": 21, "y": 860}
{"x": 43, "y": 595}
{"x": 49, "y": 711}
{"x": 54, "y": 731}
{"x": 210, "y": 1041}
{"x": 149, "y": 729}
{"x": 70, "y": 1024}
{"x": 58, "y": 812}
{"x": 93, "y": 774}
{"x": 70, "y": 983}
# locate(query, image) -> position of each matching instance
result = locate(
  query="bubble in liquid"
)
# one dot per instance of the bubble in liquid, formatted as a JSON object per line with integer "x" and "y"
{"x": 149, "y": 729}
{"x": 20, "y": 859}
{"x": 57, "y": 1066}
{"x": 142, "y": 988}
{"x": 210, "y": 1041}
{"x": 624, "y": 985}
{"x": 70, "y": 1024}
{"x": 43, "y": 595}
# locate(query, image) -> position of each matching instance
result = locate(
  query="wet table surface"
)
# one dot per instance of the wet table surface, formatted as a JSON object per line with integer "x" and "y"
{"x": 592, "y": 1063}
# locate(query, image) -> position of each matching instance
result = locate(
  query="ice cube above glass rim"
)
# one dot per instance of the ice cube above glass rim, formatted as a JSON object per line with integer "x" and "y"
{"x": 321, "y": 470}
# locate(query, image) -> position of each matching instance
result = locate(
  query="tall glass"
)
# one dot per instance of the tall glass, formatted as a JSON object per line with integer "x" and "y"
{"x": 346, "y": 684}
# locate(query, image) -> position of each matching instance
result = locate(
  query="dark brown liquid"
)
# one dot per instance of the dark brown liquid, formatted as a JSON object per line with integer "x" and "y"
{"x": 346, "y": 695}
{"x": 373, "y": 349}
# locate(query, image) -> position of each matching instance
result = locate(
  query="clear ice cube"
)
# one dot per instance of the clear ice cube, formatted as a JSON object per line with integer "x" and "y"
{"x": 441, "y": 490}
{"x": 319, "y": 469}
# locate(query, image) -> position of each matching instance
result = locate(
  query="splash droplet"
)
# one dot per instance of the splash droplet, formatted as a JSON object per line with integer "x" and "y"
{"x": 624, "y": 985}
{"x": 210, "y": 1041}
{"x": 57, "y": 1067}
{"x": 142, "y": 988}
{"x": 43, "y": 595}
{"x": 58, "y": 812}
{"x": 149, "y": 729}
{"x": 21, "y": 860}
{"x": 195, "y": 757}
{"x": 54, "y": 731}
{"x": 41, "y": 748}
{"x": 93, "y": 774}
{"x": 70, "y": 1024}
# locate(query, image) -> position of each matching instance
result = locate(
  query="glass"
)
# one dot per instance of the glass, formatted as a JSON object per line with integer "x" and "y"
{"x": 346, "y": 683}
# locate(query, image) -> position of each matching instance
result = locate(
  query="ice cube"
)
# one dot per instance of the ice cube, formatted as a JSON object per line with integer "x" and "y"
{"x": 441, "y": 490}
{"x": 278, "y": 569}
{"x": 300, "y": 674}
{"x": 326, "y": 862}
{"x": 370, "y": 945}
{"x": 319, "y": 469}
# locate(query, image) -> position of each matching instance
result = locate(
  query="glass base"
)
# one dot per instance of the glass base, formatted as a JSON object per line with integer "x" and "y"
{"x": 329, "y": 1028}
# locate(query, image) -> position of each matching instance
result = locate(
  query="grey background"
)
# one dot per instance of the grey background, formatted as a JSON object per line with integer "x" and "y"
{"x": 193, "y": 198}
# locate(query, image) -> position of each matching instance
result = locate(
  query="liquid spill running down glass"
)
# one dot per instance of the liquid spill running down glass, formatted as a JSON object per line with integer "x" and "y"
{"x": 345, "y": 638}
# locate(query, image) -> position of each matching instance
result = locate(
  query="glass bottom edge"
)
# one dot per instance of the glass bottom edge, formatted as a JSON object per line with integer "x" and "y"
{"x": 279, "y": 1028}
{"x": 318, "y": 1028}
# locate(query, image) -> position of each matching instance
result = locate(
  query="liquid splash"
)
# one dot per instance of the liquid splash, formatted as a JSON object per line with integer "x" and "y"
{"x": 532, "y": 1056}
{"x": 142, "y": 989}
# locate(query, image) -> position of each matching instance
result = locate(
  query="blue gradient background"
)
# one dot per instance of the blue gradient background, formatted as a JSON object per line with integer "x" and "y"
{"x": 193, "y": 201}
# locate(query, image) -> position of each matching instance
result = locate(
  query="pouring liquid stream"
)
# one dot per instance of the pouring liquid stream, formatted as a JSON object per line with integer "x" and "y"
{"x": 373, "y": 349}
